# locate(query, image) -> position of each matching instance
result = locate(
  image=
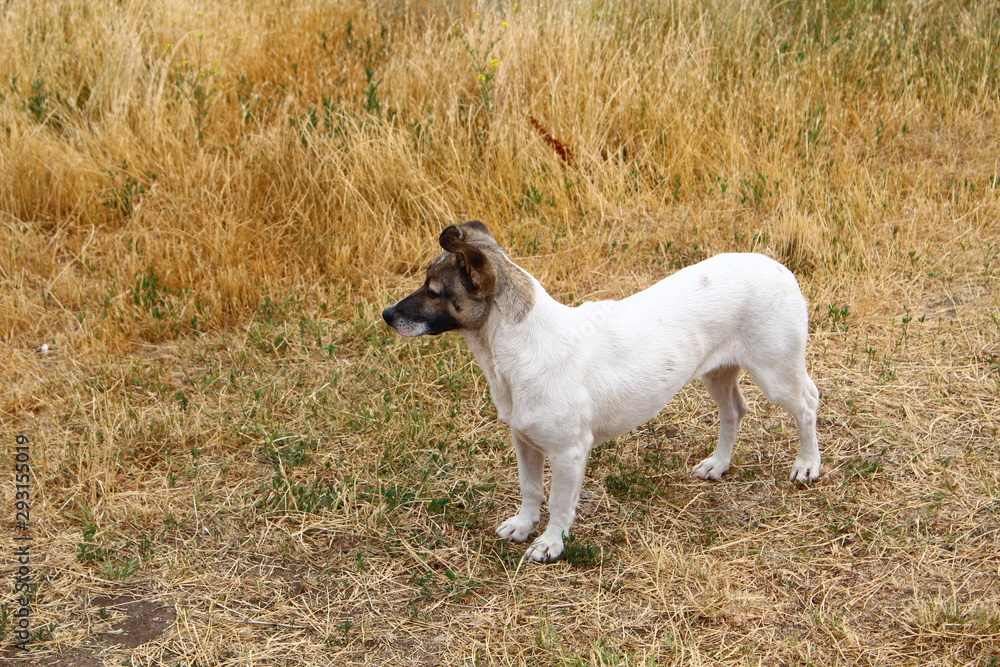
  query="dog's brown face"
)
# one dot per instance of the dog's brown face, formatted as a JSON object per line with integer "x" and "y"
{"x": 459, "y": 289}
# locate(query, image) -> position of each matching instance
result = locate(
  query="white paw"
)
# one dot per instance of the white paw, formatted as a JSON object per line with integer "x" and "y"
{"x": 545, "y": 549}
{"x": 804, "y": 470}
{"x": 516, "y": 528}
{"x": 711, "y": 468}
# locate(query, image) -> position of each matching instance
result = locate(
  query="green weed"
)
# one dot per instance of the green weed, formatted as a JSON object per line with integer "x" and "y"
{"x": 629, "y": 483}
{"x": 484, "y": 65}
{"x": 127, "y": 190}
{"x": 583, "y": 553}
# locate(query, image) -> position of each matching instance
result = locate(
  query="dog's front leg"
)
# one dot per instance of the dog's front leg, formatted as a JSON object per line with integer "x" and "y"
{"x": 568, "y": 468}
{"x": 530, "y": 473}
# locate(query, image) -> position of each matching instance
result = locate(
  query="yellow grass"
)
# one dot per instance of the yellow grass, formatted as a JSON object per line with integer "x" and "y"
{"x": 206, "y": 205}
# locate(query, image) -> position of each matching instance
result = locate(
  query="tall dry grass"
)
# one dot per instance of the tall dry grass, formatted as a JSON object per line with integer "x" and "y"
{"x": 237, "y": 150}
{"x": 206, "y": 205}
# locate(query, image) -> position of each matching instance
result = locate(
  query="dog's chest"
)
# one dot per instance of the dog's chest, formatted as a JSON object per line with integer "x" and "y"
{"x": 500, "y": 389}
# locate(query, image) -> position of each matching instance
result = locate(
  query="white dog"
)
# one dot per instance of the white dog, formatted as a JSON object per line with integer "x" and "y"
{"x": 567, "y": 379}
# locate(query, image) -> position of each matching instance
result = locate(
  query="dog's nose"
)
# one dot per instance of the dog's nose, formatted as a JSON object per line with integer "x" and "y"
{"x": 388, "y": 314}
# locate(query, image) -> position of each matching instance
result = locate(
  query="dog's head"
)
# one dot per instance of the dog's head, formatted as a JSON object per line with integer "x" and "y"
{"x": 462, "y": 285}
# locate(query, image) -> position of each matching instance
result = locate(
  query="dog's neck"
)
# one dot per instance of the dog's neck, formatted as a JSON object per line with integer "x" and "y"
{"x": 513, "y": 332}
{"x": 518, "y": 298}
{"x": 516, "y": 290}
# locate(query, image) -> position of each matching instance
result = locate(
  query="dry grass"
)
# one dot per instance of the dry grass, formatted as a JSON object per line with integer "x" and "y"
{"x": 206, "y": 207}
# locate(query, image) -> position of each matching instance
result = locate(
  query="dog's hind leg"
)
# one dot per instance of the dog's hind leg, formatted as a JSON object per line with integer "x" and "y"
{"x": 722, "y": 384}
{"x": 791, "y": 388}
{"x": 530, "y": 473}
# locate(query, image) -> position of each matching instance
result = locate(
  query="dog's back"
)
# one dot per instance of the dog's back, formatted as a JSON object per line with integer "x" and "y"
{"x": 726, "y": 288}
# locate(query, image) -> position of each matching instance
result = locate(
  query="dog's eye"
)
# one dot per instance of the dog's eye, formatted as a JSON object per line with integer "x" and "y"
{"x": 433, "y": 293}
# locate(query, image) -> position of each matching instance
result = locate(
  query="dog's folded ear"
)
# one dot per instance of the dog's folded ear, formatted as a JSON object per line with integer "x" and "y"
{"x": 463, "y": 241}
{"x": 476, "y": 232}
{"x": 469, "y": 232}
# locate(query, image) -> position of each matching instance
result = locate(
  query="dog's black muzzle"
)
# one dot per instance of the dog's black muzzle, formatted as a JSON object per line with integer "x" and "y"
{"x": 414, "y": 316}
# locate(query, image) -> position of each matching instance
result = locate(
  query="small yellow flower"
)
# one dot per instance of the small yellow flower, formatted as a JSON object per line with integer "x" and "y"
{"x": 505, "y": 25}
{"x": 481, "y": 78}
{"x": 494, "y": 63}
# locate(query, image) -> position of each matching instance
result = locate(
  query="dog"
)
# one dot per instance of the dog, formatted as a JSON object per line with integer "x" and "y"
{"x": 567, "y": 379}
